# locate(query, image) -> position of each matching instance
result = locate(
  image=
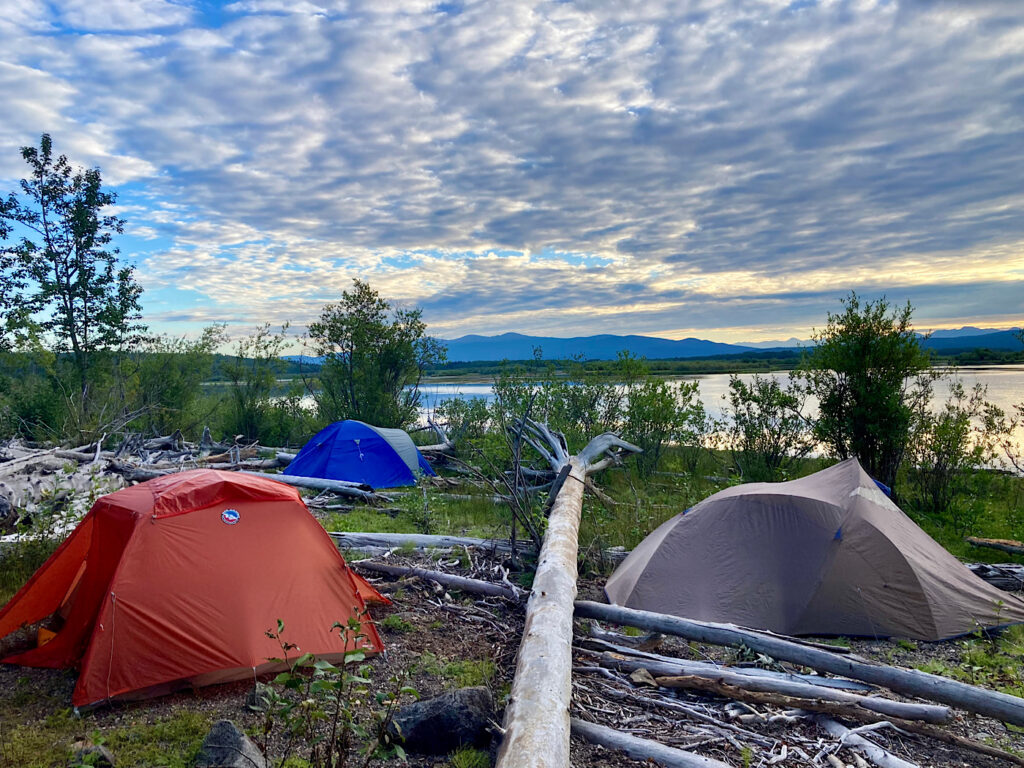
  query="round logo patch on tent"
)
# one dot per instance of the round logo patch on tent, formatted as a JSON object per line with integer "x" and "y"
{"x": 230, "y": 516}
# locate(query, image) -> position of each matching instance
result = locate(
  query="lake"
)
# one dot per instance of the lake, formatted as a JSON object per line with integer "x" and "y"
{"x": 1005, "y": 388}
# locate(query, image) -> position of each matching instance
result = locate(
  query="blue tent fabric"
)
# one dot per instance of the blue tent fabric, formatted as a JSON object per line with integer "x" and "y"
{"x": 360, "y": 453}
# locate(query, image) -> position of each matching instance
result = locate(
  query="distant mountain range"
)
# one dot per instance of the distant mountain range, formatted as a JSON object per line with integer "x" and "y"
{"x": 517, "y": 346}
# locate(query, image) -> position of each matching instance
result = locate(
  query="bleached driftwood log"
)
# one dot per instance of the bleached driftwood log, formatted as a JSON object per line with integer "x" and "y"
{"x": 880, "y": 757}
{"x": 670, "y": 662}
{"x": 358, "y": 540}
{"x": 537, "y": 716}
{"x": 340, "y": 487}
{"x": 1004, "y": 545}
{"x": 444, "y": 445}
{"x": 476, "y": 586}
{"x": 677, "y": 675}
{"x": 909, "y": 682}
{"x": 641, "y": 749}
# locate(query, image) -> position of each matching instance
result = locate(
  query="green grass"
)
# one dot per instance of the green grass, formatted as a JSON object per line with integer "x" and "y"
{"x": 458, "y": 673}
{"x": 467, "y": 757}
{"x": 172, "y": 741}
{"x": 395, "y": 623}
{"x": 992, "y": 662}
{"x": 19, "y": 562}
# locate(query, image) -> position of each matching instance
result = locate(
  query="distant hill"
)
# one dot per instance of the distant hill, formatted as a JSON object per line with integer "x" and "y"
{"x": 516, "y": 346}
{"x": 967, "y": 330}
{"x": 791, "y": 343}
{"x": 1007, "y": 340}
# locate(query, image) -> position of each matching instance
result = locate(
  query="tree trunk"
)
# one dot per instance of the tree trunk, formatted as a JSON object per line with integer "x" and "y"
{"x": 537, "y": 716}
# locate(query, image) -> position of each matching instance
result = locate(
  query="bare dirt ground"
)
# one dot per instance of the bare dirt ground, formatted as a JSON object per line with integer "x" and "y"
{"x": 446, "y": 639}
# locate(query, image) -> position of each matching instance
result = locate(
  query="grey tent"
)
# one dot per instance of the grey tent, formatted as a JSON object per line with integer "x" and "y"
{"x": 828, "y": 554}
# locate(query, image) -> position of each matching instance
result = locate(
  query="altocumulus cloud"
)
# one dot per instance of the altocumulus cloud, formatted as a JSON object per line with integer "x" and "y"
{"x": 712, "y": 167}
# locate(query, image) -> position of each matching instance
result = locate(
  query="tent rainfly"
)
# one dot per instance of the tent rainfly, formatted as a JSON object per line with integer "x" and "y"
{"x": 175, "y": 581}
{"x": 828, "y": 554}
{"x": 359, "y": 453}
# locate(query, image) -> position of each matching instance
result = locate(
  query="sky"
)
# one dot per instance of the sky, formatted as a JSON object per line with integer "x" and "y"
{"x": 723, "y": 169}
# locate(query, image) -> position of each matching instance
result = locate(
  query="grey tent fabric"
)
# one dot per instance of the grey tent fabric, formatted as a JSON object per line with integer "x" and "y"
{"x": 404, "y": 446}
{"x": 828, "y": 554}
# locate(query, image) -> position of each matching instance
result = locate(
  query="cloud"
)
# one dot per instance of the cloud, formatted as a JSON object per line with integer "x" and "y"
{"x": 679, "y": 166}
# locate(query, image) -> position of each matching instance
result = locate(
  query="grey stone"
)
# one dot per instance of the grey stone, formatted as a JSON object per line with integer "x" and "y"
{"x": 87, "y": 753}
{"x": 257, "y": 698}
{"x": 444, "y": 723}
{"x": 227, "y": 747}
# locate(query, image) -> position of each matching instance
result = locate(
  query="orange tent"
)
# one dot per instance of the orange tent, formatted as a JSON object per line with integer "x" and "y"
{"x": 175, "y": 581}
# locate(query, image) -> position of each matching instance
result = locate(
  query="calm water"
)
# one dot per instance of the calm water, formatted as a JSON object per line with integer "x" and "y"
{"x": 1005, "y": 388}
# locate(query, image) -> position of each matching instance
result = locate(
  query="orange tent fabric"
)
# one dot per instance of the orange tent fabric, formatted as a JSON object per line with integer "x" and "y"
{"x": 175, "y": 581}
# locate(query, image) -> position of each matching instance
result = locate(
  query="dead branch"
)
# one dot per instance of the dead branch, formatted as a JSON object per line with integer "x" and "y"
{"x": 873, "y": 752}
{"x": 856, "y": 712}
{"x": 475, "y": 586}
{"x": 641, "y": 749}
{"x": 781, "y": 685}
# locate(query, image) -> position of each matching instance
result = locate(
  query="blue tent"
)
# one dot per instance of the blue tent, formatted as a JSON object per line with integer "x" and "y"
{"x": 354, "y": 451}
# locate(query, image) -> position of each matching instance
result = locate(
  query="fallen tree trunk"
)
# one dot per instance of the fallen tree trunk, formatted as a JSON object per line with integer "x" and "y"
{"x": 134, "y": 474}
{"x": 476, "y": 586}
{"x": 421, "y": 541}
{"x": 537, "y": 715}
{"x": 682, "y": 675}
{"x": 674, "y": 662}
{"x": 909, "y": 682}
{"x": 340, "y": 487}
{"x": 1004, "y": 545}
{"x": 855, "y": 712}
{"x": 641, "y": 749}
{"x": 880, "y": 757}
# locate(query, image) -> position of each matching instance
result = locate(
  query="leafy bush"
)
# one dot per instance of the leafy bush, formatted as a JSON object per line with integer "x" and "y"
{"x": 868, "y": 372}
{"x": 946, "y": 449}
{"x": 767, "y": 430}
{"x": 327, "y": 709}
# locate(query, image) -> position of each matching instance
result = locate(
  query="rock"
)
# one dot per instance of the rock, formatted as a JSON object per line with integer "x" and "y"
{"x": 87, "y": 753}
{"x": 227, "y": 747}
{"x": 257, "y": 698}
{"x": 444, "y": 723}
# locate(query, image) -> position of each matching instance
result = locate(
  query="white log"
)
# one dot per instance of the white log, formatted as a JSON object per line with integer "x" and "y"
{"x": 475, "y": 586}
{"x": 356, "y": 540}
{"x": 794, "y": 686}
{"x": 829, "y": 682}
{"x": 641, "y": 749}
{"x": 880, "y": 757}
{"x": 909, "y": 682}
{"x": 340, "y": 487}
{"x": 537, "y": 716}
